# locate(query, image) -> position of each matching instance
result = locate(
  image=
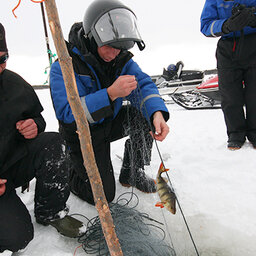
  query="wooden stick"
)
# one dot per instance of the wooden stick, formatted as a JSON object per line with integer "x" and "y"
{"x": 65, "y": 61}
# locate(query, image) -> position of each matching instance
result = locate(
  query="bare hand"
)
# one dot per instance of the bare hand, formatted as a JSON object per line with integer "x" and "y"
{"x": 122, "y": 87}
{"x": 27, "y": 128}
{"x": 2, "y": 186}
{"x": 161, "y": 127}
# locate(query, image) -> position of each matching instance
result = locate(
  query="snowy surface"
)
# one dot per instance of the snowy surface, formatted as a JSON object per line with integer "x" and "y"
{"x": 215, "y": 188}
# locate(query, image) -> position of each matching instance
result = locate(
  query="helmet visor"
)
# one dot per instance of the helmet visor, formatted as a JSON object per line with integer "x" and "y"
{"x": 117, "y": 25}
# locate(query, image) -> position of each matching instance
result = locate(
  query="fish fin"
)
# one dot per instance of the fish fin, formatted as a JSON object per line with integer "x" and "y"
{"x": 162, "y": 168}
{"x": 159, "y": 204}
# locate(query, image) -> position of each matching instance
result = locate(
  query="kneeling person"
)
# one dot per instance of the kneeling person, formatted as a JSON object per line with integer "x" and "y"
{"x": 26, "y": 152}
{"x": 106, "y": 74}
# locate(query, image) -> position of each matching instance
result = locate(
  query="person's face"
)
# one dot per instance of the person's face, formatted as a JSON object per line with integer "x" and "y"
{"x": 2, "y": 61}
{"x": 108, "y": 53}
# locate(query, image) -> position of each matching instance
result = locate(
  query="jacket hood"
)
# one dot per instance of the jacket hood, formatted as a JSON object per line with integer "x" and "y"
{"x": 76, "y": 38}
{"x": 82, "y": 44}
{"x": 85, "y": 46}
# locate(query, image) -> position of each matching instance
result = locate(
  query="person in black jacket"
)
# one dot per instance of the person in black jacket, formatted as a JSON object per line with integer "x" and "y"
{"x": 26, "y": 152}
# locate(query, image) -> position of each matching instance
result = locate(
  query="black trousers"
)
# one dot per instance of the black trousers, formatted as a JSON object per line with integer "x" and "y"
{"x": 237, "y": 85}
{"x": 129, "y": 122}
{"x": 47, "y": 161}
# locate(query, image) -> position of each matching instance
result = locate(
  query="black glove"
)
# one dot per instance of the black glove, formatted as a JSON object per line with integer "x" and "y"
{"x": 252, "y": 21}
{"x": 237, "y": 21}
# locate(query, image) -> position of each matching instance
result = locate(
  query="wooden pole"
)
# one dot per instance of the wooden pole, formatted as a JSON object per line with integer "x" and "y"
{"x": 66, "y": 65}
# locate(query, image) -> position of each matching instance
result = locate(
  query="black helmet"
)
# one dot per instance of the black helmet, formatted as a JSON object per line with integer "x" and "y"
{"x": 112, "y": 23}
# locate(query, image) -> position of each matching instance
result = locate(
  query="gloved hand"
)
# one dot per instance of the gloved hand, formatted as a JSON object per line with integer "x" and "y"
{"x": 252, "y": 21}
{"x": 237, "y": 21}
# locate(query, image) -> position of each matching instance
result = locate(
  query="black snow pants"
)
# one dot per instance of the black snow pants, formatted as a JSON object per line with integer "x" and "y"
{"x": 236, "y": 62}
{"x": 125, "y": 124}
{"x": 47, "y": 162}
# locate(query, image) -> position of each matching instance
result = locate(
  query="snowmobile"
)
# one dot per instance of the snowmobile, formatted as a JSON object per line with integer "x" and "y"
{"x": 174, "y": 79}
{"x": 187, "y": 87}
{"x": 204, "y": 96}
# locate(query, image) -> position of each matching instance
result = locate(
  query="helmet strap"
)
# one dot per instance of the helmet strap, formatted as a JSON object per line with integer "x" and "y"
{"x": 141, "y": 45}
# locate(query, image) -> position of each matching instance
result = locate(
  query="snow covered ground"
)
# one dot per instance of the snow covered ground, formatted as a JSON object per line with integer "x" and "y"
{"x": 215, "y": 188}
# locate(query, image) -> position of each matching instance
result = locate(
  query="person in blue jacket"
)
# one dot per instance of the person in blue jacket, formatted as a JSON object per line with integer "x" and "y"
{"x": 106, "y": 75}
{"x": 235, "y": 22}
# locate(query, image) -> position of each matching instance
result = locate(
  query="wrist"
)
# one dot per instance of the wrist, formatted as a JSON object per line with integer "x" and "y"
{"x": 110, "y": 94}
{"x": 157, "y": 114}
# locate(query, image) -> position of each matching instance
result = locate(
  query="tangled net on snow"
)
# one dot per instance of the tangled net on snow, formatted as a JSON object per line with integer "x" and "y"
{"x": 138, "y": 234}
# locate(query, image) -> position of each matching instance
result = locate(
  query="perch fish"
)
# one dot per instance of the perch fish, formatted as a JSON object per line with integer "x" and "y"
{"x": 166, "y": 195}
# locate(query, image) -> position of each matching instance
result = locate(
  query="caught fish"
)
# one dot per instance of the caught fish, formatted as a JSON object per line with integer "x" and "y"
{"x": 166, "y": 195}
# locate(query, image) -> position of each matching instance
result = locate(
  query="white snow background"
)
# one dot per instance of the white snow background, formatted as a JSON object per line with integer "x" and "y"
{"x": 215, "y": 187}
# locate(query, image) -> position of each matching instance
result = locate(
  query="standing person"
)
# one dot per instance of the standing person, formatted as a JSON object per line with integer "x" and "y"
{"x": 235, "y": 22}
{"x": 26, "y": 152}
{"x": 106, "y": 74}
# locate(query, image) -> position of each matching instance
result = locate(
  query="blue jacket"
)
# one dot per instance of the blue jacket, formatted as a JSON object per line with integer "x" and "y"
{"x": 216, "y": 12}
{"x": 95, "y": 100}
{"x": 93, "y": 94}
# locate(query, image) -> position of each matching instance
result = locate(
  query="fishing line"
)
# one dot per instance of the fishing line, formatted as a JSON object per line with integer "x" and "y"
{"x": 151, "y": 129}
{"x": 131, "y": 128}
{"x": 138, "y": 234}
{"x": 161, "y": 158}
{"x": 166, "y": 225}
{"x": 137, "y": 150}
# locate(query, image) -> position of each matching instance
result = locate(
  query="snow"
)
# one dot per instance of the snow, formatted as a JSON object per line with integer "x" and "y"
{"x": 215, "y": 188}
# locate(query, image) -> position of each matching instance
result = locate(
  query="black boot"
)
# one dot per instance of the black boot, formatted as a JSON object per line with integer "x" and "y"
{"x": 132, "y": 175}
{"x": 138, "y": 179}
{"x": 67, "y": 226}
{"x": 235, "y": 145}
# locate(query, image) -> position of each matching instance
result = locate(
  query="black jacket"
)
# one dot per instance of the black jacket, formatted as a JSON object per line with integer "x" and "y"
{"x": 18, "y": 101}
